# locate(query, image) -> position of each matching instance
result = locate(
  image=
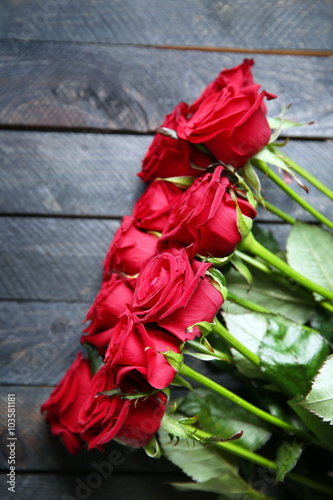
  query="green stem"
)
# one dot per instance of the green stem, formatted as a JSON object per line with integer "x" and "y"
{"x": 201, "y": 348}
{"x": 296, "y": 197}
{"x": 259, "y": 460}
{"x": 248, "y": 304}
{"x": 275, "y": 210}
{"x": 223, "y": 332}
{"x": 304, "y": 173}
{"x": 186, "y": 371}
{"x": 251, "y": 245}
{"x": 254, "y": 262}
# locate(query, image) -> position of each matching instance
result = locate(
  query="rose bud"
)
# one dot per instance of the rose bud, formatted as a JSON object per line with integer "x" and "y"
{"x": 152, "y": 209}
{"x": 65, "y": 402}
{"x": 103, "y": 314}
{"x": 129, "y": 249}
{"x": 136, "y": 347}
{"x": 175, "y": 293}
{"x": 206, "y": 217}
{"x": 104, "y": 417}
{"x": 229, "y": 118}
{"x": 172, "y": 157}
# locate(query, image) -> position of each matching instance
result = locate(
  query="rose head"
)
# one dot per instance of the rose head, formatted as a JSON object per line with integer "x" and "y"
{"x": 175, "y": 293}
{"x": 168, "y": 157}
{"x": 103, "y": 314}
{"x": 136, "y": 347}
{"x": 65, "y": 402}
{"x": 129, "y": 249}
{"x": 104, "y": 417}
{"x": 152, "y": 209}
{"x": 206, "y": 217}
{"x": 229, "y": 117}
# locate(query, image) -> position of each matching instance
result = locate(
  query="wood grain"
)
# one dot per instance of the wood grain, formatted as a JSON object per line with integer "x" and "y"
{"x": 60, "y": 260}
{"x": 120, "y": 487}
{"x": 130, "y": 88}
{"x": 300, "y": 24}
{"x": 53, "y": 259}
{"x": 38, "y": 450}
{"x": 95, "y": 174}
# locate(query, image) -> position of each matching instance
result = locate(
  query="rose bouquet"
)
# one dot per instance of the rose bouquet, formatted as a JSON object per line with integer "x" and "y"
{"x": 186, "y": 278}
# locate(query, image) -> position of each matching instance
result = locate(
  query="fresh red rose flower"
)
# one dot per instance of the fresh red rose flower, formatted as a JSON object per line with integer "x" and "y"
{"x": 169, "y": 157}
{"x": 103, "y": 314}
{"x": 175, "y": 293}
{"x": 129, "y": 249}
{"x": 103, "y": 417}
{"x": 65, "y": 402}
{"x": 206, "y": 218}
{"x": 240, "y": 76}
{"x": 229, "y": 118}
{"x": 134, "y": 346}
{"x": 152, "y": 209}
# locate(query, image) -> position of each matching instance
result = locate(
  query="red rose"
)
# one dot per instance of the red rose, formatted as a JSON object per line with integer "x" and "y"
{"x": 65, "y": 402}
{"x": 152, "y": 209}
{"x": 103, "y": 418}
{"x": 229, "y": 117}
{"x": 134, "y": 347}
{"x": 129, "y": 249}
{"x": 240, "y": 76}
{"x": 175, "y": 293}
{"x": 206, "y": 216}
{"x": 105, "y": 311}
{"x": 168, "y": 157}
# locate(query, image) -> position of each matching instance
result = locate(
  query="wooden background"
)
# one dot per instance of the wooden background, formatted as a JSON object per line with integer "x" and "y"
{"x": 83, "y": 85}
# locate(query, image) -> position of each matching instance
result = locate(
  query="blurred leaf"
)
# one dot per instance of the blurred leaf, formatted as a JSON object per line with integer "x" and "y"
{"x": 249, "y": 329}
{"x": 278, "y": 296}
{"x": 322, "y": 321}
{"x": 95, "y": 360}
{"x": 242, "y": 268}
{"x": 229, "y": 485}
{"x": 286, "y": 458}
{"x": 265, "y": 238}
{"x": 323, "y": 430}
{"x": 309, "y": 252}
{"x": 222, "y": 418}
{"x": 320, "y": 399}
{"x": 291, "y": 355}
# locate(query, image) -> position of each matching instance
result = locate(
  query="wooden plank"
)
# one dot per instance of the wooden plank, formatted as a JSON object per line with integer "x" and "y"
{"x": 70, "y": 174}
{"x": 58, "y": 260}
{"x": 39, "y": 341}
{"x": 38, "y": 450}
{"x": 131, "y": 88}
{"x": 53, "y": 259}
{"x": 300, "y": 24}
{"x": 120, "y": 487}
{"x": 95, "y": 174}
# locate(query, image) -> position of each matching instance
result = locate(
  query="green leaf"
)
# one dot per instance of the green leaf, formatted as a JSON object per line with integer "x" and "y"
{"x": 279, "y": 297}
{"x": 218, "y": 281}
{"x": 223, "y": 418}
{"x": 244, "y": 223}
{"x": 323, "y": 430}
{"x": 183, "y": 181}
{"x": 320, "y": 399}
{"x": 174, "y": 359}
{"x": 322, "y": 321}
{"x": 197, "y": 461}
{"x": 249, "y": 329}
{"x": 153, "y": 449}
{"x": 309, "y": 251}
{"x": 243, "y": 269}
{"x": 250, "y": 176}
{"x": 265, "y": 238}
{"x": 229, "y": 485}
{"x": 275, "y": 122}
{"x": 95, "y": 360}
{"x": 287, "y": 457}
{"x": 291, "y": 355}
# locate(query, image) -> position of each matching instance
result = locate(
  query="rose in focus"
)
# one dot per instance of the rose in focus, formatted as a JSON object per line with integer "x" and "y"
{"x": 207, "y": 218}
{"x": 229, "y": 118}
